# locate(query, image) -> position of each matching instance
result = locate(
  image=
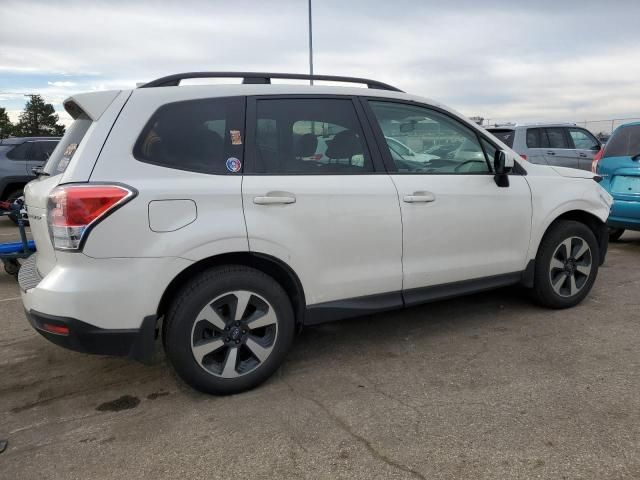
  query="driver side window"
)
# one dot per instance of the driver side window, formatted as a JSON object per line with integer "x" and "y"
{"x": 423, "y": 141}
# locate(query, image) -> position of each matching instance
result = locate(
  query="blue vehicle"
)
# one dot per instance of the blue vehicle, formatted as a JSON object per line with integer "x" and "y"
{"x": 619, "y": 166}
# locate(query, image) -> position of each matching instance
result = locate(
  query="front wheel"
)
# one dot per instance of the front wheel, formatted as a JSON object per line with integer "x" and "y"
{"x": 229, "y": 329}
{"x": 566, "y": 265}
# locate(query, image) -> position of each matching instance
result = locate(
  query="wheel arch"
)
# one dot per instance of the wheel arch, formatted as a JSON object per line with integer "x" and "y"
{"x": 272, "y": 266}
{"x": 595, "y": 224}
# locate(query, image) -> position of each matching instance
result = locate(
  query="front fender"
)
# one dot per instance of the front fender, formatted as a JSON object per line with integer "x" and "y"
{"x": 565, "y": 197}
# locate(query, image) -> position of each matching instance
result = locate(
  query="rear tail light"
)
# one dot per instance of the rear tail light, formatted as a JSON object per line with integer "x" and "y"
{"x": 74, "y": 209}
{"x": 523, "y": 156}
{"x": 596, "y": 159}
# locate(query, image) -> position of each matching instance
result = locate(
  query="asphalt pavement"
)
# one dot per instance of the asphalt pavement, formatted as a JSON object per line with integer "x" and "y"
{"x": 488, "y": 386}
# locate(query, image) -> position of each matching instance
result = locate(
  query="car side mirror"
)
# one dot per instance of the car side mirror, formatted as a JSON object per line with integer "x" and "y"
{"x": 503, "y": 163}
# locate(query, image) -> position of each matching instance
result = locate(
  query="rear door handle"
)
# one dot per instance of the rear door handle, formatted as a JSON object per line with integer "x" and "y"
{"x": 419, "y": 197}
{"x": 583, "y": 155}
{"x": 274, "y": 199}
{"x": 551, "y": 153}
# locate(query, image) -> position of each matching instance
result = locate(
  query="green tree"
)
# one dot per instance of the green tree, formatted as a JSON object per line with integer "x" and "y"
{"x": 6, "y": 127}
{"x": 38, "y": 119}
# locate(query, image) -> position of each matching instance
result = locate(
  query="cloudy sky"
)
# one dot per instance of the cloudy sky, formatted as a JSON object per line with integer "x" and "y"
{"x": 504, "y": 60}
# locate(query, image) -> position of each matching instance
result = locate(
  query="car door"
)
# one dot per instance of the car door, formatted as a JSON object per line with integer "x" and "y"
{"x": 585, "y": 145}
{"x": 458, "y": 225}
{"x": 330, "y": 215}
{"x": 559, "y": 150}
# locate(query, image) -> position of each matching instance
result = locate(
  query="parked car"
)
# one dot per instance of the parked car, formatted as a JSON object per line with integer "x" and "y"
{"x": 193, "y": 214}
{"x": 619, "y": 166}
{"x": 18, "y": 157}
{"x": 406, "y": 153}
{"x": 564, "y": 145}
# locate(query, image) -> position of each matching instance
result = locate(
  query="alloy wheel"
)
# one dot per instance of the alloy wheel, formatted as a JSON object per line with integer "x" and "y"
{"x": 234, "y": 334}
{"x": 570, "y": 266}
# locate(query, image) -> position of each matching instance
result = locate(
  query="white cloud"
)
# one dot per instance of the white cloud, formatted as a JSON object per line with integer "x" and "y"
{"x": 62, "y": 84}
{"x": 544, "y": 60}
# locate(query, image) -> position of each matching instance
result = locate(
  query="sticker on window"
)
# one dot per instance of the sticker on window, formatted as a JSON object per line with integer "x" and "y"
{"x": 233, "y": 165}
{"x": 236, "y": 138}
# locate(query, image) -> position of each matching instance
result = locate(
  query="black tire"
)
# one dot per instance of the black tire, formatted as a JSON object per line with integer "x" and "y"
{"x": 185, "y": 330}
{"x": 12, "y": 197}
{"x": 546, "y": 275}
{"x": 615, "y": 234}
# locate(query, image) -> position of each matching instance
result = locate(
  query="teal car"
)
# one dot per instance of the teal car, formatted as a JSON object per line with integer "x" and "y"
{"x": 619, "y": 166}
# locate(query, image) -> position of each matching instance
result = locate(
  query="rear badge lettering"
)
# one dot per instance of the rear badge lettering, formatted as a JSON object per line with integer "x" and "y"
{"x": 233, "y": 165}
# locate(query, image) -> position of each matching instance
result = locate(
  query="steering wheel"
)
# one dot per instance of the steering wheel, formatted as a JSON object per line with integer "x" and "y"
{"x": 456, "y": 169}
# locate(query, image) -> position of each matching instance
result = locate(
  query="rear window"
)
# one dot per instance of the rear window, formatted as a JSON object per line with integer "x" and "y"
{"x": 505, "y": 136}
{"x": 64, "y": 151}
{"x": 204, "y": 136}
{"x": 625, "y": 142}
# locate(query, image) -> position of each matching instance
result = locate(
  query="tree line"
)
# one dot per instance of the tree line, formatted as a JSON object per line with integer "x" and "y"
{"x": 39, "y": 119}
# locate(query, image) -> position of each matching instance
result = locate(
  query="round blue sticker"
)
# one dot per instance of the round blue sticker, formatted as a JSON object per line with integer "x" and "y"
{"x": 233, "y": 165}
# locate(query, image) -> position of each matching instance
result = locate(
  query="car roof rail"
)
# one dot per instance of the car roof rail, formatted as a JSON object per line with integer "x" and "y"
{"x": 263, "y": 78}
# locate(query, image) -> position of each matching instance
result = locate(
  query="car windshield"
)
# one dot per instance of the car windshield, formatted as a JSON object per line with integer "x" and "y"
{"x": 505, "y": 136}
{"x": 625, "y": 142}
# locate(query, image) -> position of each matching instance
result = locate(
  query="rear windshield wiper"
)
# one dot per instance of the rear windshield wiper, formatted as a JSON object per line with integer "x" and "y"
{"x": 39, "y": 172}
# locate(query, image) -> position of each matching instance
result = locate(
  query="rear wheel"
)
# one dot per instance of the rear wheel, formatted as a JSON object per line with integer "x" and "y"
{"x": 566, "y": 265}
{"x": 229, "y": 329}
{"x": 615, "y": 234}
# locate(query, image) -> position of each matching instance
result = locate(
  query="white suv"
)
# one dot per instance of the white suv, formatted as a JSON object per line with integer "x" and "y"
{"x": 201, "y": 215}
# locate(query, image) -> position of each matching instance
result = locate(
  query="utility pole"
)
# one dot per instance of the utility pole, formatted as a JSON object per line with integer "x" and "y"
{"x": 310, "y": 44}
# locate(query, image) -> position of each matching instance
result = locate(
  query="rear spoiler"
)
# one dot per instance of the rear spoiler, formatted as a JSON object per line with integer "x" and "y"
{"x": 92, "y": 104}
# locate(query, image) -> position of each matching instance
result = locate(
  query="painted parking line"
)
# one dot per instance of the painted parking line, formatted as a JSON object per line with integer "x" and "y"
{"x": 9, "y": 299}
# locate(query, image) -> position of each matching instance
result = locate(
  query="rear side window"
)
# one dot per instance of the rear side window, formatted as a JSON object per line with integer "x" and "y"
{"x": 203, "y": 136}
{"x": 42, "y": 150}
{"x": 625, "y": 142}
{"x": 534, "y": 138}
{"x": 66, "y": 148}
{"x": 505, "y": 136}
{"x": 556, "y": 138}
{"x": 20, "y": 152}
{"x": 309, "y": 136}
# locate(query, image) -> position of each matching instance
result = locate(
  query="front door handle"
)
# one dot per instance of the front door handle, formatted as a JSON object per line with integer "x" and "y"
{"x": 583, "y": 155}
{"x": 419, "y": 197}
{"x": 279, "y": 199}
{"x": 551, "y": 153}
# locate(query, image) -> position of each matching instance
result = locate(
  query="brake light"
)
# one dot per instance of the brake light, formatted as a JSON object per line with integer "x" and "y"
{"x": 73, "y": 209}
{"x": 597, "y": 157}
{"x": 523, "y": 156}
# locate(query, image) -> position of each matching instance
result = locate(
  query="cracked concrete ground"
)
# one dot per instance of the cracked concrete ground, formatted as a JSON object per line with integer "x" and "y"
{"x": 485, "y": 387}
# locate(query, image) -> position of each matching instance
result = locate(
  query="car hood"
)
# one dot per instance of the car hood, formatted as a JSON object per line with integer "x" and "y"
{"x": 572, "y": 172}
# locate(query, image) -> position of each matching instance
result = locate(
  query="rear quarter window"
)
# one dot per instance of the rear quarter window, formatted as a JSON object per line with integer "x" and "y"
{"x": 505, "y": 136}
{"x": 204, "y": 135}
{"x": 65, "y": 150}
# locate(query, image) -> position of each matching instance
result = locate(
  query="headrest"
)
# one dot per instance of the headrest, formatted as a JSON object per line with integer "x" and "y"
{"x": 345, "y": 144}
{"x": 305, "y": 145}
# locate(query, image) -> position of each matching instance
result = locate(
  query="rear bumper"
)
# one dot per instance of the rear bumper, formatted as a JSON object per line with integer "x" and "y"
{"x": 135, "y": 343}
{"x": 103, "y": 306}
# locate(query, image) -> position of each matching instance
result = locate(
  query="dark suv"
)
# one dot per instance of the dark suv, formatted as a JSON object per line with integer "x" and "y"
{"x": 18, "y": 157}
